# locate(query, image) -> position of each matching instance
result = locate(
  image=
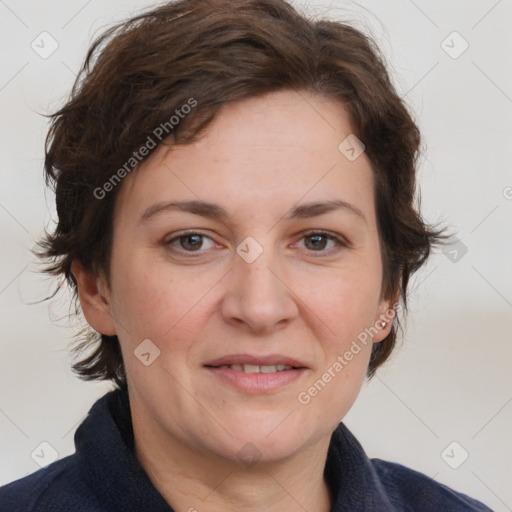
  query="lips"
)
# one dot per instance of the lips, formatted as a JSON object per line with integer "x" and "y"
{"x": 255, "y": 368}
{"x": 249, "y": 363}
{"x": 257, "y": 374}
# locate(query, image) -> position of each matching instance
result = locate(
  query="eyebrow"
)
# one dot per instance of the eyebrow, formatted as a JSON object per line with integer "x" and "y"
{"x": 216, "y": 212}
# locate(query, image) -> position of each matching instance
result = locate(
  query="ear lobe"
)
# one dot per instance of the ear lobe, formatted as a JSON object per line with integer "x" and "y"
{"x": 384, "y": 321}
{"x": 95, "y": 304}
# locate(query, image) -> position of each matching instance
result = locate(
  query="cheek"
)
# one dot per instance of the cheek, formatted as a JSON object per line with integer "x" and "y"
{"x": 153, "y": 302}
{"x": 333, "y": 390}
{"x": 139, "y": 297}
{"x": 345, "y": 300}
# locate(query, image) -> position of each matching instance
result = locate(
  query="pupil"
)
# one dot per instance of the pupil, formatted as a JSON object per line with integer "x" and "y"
{"x": 196, "y": 241}
{"x": 318, "y": 238}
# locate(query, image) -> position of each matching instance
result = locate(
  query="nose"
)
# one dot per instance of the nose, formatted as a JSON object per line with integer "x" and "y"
{"x": 258, "y": 295}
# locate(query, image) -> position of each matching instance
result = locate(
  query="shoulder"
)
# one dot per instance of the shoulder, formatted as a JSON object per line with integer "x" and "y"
{"x": 58, "y": 487}
{"x": 405, "y": 485}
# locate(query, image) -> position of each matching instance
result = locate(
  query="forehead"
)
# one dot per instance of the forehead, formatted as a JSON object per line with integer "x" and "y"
{"x": 270, "y": 150}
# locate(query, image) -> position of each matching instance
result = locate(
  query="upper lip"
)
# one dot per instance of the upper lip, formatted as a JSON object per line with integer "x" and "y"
{"x": 260, "y": 360}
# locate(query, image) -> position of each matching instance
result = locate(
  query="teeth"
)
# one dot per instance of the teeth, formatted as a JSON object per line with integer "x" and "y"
{"x": 254, "y": 368}
{"x": 251, "y": 368}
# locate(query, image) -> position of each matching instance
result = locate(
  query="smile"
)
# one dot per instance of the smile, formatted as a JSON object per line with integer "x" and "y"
{"x": 254, "y": 368}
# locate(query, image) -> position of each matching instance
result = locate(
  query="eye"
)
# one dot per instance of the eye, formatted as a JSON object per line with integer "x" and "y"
{"x": 317, "y": 241}
{"x": 314, "y": 241}
{"x": 190, "y": 242}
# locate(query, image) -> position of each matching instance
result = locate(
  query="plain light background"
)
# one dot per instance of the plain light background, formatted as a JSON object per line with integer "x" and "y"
{"x": 450, "y": 379}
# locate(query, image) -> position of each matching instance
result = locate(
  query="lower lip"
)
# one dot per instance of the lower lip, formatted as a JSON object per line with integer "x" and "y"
{"x": 257, "y": 382}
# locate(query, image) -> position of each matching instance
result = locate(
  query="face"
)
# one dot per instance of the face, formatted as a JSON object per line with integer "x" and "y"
{"x": 279, "y": 275}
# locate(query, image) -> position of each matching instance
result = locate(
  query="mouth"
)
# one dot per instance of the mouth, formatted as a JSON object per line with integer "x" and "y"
{"x": 255, "y": 368}
{"x": 250, "y": 363}
{"x": 256, "y": 374}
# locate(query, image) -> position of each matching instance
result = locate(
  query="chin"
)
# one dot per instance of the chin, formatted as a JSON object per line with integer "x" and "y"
{"x": 249, "y": 451}
{"x": 272, "y": 437}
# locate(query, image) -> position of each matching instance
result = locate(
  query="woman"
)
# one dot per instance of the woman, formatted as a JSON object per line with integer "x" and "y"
{"x": 235, "y": 187}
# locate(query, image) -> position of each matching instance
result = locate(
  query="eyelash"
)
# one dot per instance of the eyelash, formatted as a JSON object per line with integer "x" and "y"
{"x": 339, "y": 241}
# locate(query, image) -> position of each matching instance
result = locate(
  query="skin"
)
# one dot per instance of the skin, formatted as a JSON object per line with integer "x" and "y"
{"x": 259, "y": 159}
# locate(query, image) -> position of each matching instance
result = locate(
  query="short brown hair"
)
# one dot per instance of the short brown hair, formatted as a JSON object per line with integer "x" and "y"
{"x": 139, "y": 72}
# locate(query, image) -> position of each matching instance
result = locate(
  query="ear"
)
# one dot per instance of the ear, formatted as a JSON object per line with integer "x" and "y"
{"x": 94, "y": 300}
{"x": 384, "y": 320}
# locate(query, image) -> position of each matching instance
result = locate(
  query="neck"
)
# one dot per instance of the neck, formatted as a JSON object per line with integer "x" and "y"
{"x": 191, "y": 481}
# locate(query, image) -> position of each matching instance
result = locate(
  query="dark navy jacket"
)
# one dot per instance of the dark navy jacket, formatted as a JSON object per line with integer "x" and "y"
{"x": 103, "y": 475}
